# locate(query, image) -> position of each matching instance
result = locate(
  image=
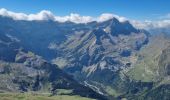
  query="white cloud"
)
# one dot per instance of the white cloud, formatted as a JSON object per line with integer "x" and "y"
{"x": 43, "y": 15}
{"x": 76, "y": 18}
{"x": 151, "y": 24}
{"x": 162, "y": 22}
{"x": 16, "y": 16}
{"x": 104, "y": 17}
{"x": 107, "y": 16}
{"x": 47, "y": 15}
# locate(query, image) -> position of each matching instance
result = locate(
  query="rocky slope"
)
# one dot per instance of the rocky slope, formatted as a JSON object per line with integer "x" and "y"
{"x": 153, "y": 67}
{"x": 22, "y": 71}
{"x": 98, "y": 56}
{"x": 111, "y": 58}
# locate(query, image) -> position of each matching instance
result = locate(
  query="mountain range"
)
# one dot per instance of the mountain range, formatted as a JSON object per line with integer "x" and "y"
{"x": 99, "y": 60}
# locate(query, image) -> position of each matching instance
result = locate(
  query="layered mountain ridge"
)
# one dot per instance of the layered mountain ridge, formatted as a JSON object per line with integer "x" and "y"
{"x": 111, "y": 58}
{"x": 23, "y": 71}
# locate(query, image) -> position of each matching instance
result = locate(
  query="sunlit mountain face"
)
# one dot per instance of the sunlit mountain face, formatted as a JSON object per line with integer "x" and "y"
{"x": 82, "y": 57}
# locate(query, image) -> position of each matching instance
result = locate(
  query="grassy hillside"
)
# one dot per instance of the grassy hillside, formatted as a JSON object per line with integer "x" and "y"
{"x": 146, "y": 68}
{"x": 31, "y": 96}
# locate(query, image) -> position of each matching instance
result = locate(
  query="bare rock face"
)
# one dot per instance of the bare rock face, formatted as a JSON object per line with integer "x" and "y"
{"x": 107, "y": 48}
{"x": 24, "y": 71}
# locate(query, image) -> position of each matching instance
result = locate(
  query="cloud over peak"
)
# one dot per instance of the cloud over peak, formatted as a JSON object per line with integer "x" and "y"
{"x": 43, "y": 15}
{"x": 47, "y": 15}
{"x": 76, "y": 18}
{"x": 165, "y": 23}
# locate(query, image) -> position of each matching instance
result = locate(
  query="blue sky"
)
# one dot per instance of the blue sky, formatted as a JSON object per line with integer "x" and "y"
{"x": 133, "y": 9}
